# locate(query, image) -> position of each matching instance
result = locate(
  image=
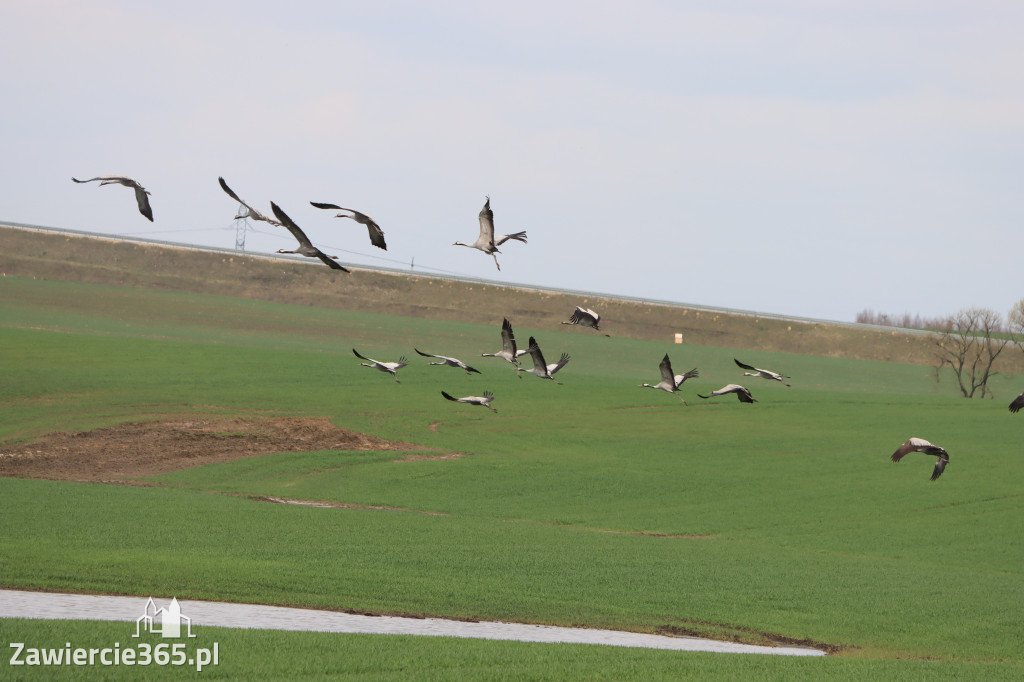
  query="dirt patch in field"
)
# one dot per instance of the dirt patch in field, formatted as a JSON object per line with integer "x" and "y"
{"x": 136, "y": 450}
{"x": 339, "y": 505}
{"x": 432, "y": 458}
{"x": 742, "y": 635}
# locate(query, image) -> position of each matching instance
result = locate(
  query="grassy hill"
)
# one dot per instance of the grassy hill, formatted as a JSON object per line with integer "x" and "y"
{"x": 595, "y": 503}
{"x": 86, "y": 259}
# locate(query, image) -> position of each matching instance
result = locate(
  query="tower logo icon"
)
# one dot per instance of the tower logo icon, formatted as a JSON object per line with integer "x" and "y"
{"x": 166, "y": 621}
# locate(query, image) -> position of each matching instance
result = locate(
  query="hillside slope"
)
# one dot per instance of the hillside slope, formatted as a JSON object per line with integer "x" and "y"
{"x": 98, "y": 260}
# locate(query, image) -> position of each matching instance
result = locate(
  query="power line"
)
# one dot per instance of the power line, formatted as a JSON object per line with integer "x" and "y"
{"x": 195, "y": 229}
{"x": 366, "y": 255}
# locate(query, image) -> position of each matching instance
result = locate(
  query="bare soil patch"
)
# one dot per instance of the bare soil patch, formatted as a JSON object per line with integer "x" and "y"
{"x": 339, "y": 505}
{"x": 432, "y": 458}
{"x": 135, "y": 450}
{"x": 741, "y": 635}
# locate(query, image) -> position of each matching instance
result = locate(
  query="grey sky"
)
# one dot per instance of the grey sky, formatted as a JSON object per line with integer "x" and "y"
{"x": 795, "y": 157}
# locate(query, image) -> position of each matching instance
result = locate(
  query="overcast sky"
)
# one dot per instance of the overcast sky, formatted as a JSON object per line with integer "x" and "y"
{"x": 801, "y": 157}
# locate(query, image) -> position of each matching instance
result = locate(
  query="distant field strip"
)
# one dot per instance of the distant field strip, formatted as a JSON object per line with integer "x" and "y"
{"x": 20, "y": 604}
{"x": 473, "y": 280}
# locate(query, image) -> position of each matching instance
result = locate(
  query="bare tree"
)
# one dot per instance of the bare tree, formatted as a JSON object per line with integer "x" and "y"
{"x": 1015, "y": 322}
{"x": 869, "y": 316}
{"x": 969, "y": 346}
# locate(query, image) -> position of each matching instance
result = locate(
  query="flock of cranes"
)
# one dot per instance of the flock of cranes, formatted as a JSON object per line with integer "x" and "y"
{"x": 670, "y": 381}
{"x": 510, "y": 352}
{"x": 487, "y": 242}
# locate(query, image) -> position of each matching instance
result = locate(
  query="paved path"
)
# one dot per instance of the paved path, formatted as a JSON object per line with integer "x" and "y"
{"x": 18, "y": 604}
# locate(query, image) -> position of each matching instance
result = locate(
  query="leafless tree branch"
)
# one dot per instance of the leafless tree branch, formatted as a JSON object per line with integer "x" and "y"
{"x": 969, "y": 346}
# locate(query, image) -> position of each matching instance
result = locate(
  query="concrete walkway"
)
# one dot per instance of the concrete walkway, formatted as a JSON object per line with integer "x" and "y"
{"x": 19, "y": 604}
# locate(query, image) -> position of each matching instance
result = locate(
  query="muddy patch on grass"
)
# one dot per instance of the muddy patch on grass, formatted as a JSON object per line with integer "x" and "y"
{"x": 340, "y": 505}
{"x": 432, "y": 458}
{"x": 742, "y": 635}
{"x": 130, "y": 451}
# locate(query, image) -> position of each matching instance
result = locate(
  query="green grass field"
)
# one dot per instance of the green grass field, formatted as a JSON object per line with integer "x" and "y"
{"x": 595, "y": 503}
